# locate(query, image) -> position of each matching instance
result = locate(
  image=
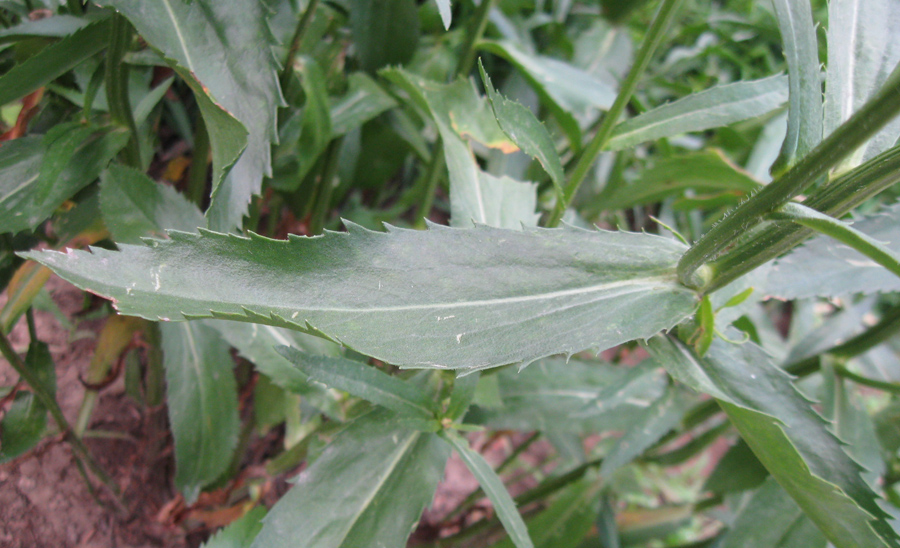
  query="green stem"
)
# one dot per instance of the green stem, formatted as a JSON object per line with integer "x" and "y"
{"x": 4, "y": 20}
{"x": 326, "y": 187}
{"x": 867, "y": 121}
{"x": 199, "y": 172}
{"x": 299, "y": 32}
{"x": 120, "y": 35}
{"x": 648, "y": 48}
{"x": 81, "y": 451}
{"x": 430, "y": 182}
{"x": 838, "y": 198}
{"x": 75, "y": 7}
{"x": 842, "y": 232}
{"x": 891, "y": 387}
{"x": 473, "y": 35}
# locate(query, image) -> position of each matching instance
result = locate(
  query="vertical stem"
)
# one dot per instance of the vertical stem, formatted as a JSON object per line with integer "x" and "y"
{"x": 589, "y": 155}
{"x": 199, "y": 171}
{"x": 75, "y": 7}
{"x": 78, "y": 447}
{"x": 299, "y": 32}
{"x": 117, "y": 86}
{"x": 326, "y": 187}
{"x": 474, "y": 34}
{"x": 866, "y": 122}
{"x": 431, "y": 178}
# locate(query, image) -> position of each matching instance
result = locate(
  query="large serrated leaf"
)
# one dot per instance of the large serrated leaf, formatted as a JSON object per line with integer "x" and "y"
{"x": 791, "y": 440}
{"x": 827, "y": 268}
{"x": 209, "y": 43}
{"x": 712, "y": 108}
{"x": 445, "y": 297}
{"x": 201, "y": 393}
{"x": 368, "y": 488}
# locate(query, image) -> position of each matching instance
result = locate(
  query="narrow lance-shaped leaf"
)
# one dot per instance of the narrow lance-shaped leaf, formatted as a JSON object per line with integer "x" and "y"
{"x": 239, "y": 533}
{"x": 711, "y": 108}
{"x": 495, "y": 490}
{"x": 201, "y": 394}
{"x": 236, "y": 86}
{"x": 53, "y": 61}
{"x": 363, "y": 101}
{"x": 364, "y": 382}
{"x": 38, "y": 174}
{"x": 791, "y": 440}
{"x": 446, "y": 14}
{"x": 368, "y": 488}
{"x": 801, "y": 50}
{"x": 408, "y": 297}
{"x": 519, "y": 123}
{"x": 476, "y": 197}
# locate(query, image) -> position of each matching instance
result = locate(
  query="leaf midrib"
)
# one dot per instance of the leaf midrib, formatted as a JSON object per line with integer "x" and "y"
{"x": 184, "y": 47}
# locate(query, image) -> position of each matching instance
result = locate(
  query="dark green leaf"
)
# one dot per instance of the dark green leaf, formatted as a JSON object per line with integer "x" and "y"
{"x": 385, "y": 32}
{"x": 239, "y": 533}
{"x": 236, "y": 85}
{"x": 712, "y": 108}
{"x": 494, "y": 489}
{"x": 412, "y": 298}
{"x": 791, "y": 440}
{"x": 368, "y": 488}
{"x": 315, "y": 132}
{"x": 135, "y": 206}
{"x": 22, "y": 427}
{"x": 519, "y": 123}
{"x": 38, "y": 175}
{"x": 202, "y": 399}
{"x": 364, "y": 382}
{"x": 53, "y": 61}
{"x": 738, "y": 470}
{"x": 772, "y": 519}
{"x": 801, "y": 50}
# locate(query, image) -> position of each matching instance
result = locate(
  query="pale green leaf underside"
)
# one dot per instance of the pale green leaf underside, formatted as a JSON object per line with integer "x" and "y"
{"x": 368, "y": 488}
{"x": 444, "y": 298}
{"x": 712, "y": 108}
{"x": 791, "y": 440}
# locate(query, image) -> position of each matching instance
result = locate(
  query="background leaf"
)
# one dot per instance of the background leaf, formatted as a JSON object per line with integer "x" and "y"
{"x": 801, "y": 50}
{"x": 412, "y": 298}
{"x": 368, "y": 488}
{"x": 239, "y": 533}
{"x": 135, "y": 206}
{"x": 385, "y": 32}
{"x": 786, "y": 434}
{"x": 711, "y": 108}
{"x": 207, "y": 42}
{"x": 202, "y": 400}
